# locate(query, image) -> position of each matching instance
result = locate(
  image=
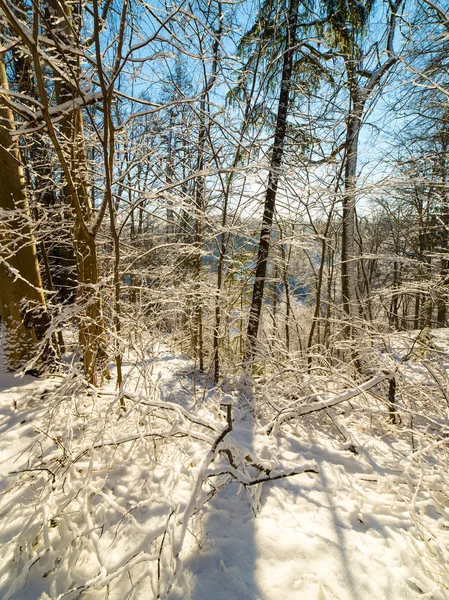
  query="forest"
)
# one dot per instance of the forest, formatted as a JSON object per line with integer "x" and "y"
{"x": 224, "y": 299}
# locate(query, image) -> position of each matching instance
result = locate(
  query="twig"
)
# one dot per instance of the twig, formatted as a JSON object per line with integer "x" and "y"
{"x": 280, "y": 476}
{"x": 53, "y": 476}
{"x": 160, "y": 556}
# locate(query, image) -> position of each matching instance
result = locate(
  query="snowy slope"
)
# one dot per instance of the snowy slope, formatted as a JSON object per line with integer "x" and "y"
{"x": 347, "y": 533}
{"x": 111, "y": 496}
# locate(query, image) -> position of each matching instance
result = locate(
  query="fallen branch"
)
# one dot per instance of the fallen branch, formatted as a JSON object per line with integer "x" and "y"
{"x": 324, "y": 404}
{"x": 245, "y": 481}
{"x": 192, "y": 504}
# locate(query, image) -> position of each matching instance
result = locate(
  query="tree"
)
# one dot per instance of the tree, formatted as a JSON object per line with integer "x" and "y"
{"x": 22, "y": 301}
{"x": 273, "y": 182}
{"x": 348, "y": 22}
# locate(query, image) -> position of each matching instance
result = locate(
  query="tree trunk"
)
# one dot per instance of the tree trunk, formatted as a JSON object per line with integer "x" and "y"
{"x": 200, "y": 205}
{"x": 444, "y": 270}
{"x": 348, "y": 278}
{"x": 200, "y": 200}
{"x": 38, "y": 161}
{"x": 22, "y": 302}
{"x": 90, "y": 318}
{"x": 273, "y": 181}
{"x": 169, "y": 170}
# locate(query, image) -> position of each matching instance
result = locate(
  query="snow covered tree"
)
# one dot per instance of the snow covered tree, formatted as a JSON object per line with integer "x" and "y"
{"x": 365, "y": 67}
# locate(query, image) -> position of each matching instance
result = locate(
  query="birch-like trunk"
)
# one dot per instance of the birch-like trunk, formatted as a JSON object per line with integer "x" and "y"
{"x": 348, "y": 255}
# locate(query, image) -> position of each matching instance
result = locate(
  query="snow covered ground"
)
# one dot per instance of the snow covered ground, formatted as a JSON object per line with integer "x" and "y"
{"x": 144, "y": 503}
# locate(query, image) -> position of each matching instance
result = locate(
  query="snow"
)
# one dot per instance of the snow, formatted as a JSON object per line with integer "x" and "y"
{"x": 335, "y": 535}
{"x": 129, "y": 495}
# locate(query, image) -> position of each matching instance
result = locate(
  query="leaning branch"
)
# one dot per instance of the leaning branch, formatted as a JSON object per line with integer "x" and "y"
{"x": 317, "y": 406}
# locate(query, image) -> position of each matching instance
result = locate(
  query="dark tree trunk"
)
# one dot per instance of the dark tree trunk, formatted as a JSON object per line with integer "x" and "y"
{"x": 273, "y": 181}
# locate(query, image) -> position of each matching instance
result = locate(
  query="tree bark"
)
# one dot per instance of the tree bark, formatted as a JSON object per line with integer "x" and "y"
{"x": 348, "y": 256}
{"x": 22, "y": 302}
{"x": 273, "y": 181}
